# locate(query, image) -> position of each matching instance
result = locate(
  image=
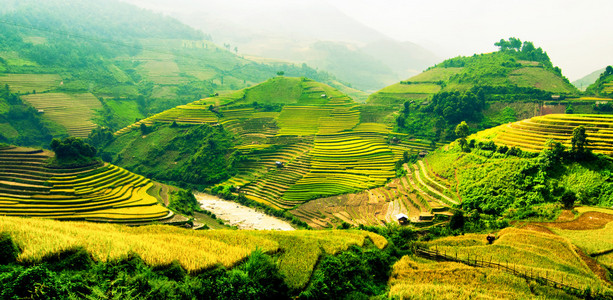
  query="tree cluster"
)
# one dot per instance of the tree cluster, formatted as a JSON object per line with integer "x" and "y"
{"x": 525, "y": 50}
{"x": 72, "y": 149}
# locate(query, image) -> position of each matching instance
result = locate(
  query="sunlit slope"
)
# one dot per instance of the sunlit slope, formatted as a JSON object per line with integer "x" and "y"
{"x": 159, "y": 245}
{"x": 525, "y": 252}
{"x": 533, "y": 134}
{"x": 312, "y": 129}
{"x": 99, "y": 192}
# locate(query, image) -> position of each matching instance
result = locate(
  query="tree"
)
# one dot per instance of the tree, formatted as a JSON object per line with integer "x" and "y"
{"x": 72, "y": 149}
{"x": 457, "y": 220}
{"x": 280, "y": 73}
{"x": 568, "y": 199}
{"x": 579, "y": 140}
{"x": 462, "y": 132}
{"x": 143, "y": 128}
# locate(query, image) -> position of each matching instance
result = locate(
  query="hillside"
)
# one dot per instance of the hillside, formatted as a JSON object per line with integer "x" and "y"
{"x": 290, "y": 258}
{"x": 587, "y": 80}
{"x": 603, "y": 85}
{"x": 31, "y": 186}
{"x": 485, "y": 90}
{"x": 525, "y": 262}
{"x": 110, "y": 68}
{"x": 301, "y": 32}
{"x": 313, "y": 131}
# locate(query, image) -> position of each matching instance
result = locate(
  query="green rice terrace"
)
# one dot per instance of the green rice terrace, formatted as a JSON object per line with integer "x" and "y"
{"x": 300, "y": 139}
{"x": 422, "y": 195}
{"x": 29, "y": 186}
{"x": 533, "y": 134}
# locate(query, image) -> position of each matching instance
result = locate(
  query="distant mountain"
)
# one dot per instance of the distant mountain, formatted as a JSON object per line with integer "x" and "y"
{"x": 73, "y": 65}
{"x": 314, "y": 32}
{"x": 587, "y": 80}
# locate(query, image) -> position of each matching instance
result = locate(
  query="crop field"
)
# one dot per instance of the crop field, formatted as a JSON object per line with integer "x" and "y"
{"x": 533, "y": 134}
{"x": 73, "y": 111}
{"x": 539, "y": 78}
{"x": 420, "y": 195}
{"x": 28, "y": 187}
{"x": 313, "y": 129}
{"x": 28, "y": 83}
{"x": 157, "y": 245}
{"x": 526, "y": 251}
{"x": 435, "y": 75}
{"x": 417, "y": 278}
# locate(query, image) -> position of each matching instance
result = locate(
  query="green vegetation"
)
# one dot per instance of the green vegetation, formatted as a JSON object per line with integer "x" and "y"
{"x": 431, "y": 104}
{"x": 161, "y": 259}
{"x": 72, "y": 152}
{"x": 103, "y": 73}
{"x": 22, "y": 124}
{"x": 603, "y": 85}
{"x": 198, "y": 155}
{"x": 312, "y": 130}
{"x": 184, "y": 202}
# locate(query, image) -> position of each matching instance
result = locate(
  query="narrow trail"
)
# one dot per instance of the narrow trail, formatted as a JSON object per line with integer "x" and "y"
{"x": 240, "y": 216}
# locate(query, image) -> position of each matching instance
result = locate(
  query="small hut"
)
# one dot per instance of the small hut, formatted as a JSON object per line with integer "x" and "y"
{"x": 279, "y": 164}
{"x": 423, "y": 154}
{"x": 402, "y": 219}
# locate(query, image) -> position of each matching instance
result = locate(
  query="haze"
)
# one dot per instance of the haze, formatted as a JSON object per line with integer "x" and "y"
{"x": 574, "y": 33}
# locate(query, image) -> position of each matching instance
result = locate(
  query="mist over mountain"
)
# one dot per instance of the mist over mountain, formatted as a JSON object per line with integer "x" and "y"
{"x": 314, "y": 32}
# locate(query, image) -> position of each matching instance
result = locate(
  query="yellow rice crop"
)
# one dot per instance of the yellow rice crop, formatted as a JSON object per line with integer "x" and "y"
{"x": 298, "y": 250}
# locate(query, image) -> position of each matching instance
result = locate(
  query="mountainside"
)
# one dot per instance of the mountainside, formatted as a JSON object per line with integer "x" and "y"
{"x": 485, "y": 90}
{"x": 81, "y": 69}
{"x": 301, "y": 32}
{"x": 603, "y": 85}
{"x": 292, "y": 140}
{"x": 587, "y": 80}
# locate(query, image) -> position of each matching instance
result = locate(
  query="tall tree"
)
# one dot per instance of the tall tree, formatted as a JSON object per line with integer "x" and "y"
{"x": 462, "y": 132}
{"x": 579, "y": 140}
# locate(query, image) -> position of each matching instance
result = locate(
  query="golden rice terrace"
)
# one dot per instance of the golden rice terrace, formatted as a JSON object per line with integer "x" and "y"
{"x": 99, "y": 192}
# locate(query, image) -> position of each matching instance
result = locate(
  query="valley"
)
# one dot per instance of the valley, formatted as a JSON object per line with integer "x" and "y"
{"x": 141, "y": 158}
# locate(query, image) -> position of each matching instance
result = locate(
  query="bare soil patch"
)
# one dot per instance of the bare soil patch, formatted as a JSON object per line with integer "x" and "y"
{"x": 587, "y": 221}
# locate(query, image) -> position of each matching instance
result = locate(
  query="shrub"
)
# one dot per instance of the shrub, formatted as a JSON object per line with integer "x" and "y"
{"x": 8, "y": 249}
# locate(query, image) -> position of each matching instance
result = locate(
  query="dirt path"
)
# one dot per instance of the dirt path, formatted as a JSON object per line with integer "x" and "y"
{"x": 240, "y": 216}
{"x": 587, "y": 221}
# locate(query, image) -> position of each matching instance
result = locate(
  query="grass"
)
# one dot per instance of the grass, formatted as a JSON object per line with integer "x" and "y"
{"x": 126, "y": 111}
{"x": 435, "y": 74}
{"x": 591, "y": 241}
{"x": 415, "y": 88}
{"x": 540, "y": 78}
{"x": 27, "y": 83}
{"x": 158, "y": 245}
{"x": 73, "y": 111}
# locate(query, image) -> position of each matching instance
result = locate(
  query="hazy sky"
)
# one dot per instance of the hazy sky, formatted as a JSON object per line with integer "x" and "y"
{"x": 575, "y": 34}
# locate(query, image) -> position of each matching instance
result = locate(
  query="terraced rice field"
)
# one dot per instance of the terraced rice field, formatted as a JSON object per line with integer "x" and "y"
{"x": 533, "y": 134}
{"x": 73, "y": 111}
{"x": 315, "y": 131}
{"x": 28, "y": 83}
{"x": 299, "y": 251}
{"x": 420, "y": 195}
{"x": 103, "y": 192}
